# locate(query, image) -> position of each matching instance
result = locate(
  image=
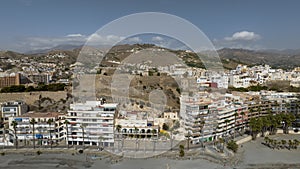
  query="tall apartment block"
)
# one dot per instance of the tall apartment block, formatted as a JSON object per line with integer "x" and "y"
{"x": 91, "y": 123}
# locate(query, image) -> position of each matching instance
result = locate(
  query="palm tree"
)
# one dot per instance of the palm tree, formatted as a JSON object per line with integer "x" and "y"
{"x": 50, "y": 121}
{"x": 188, "y": 139}
{"x": 136, "y": 131}
{"x": 222, "y": 142}
{"x": 226, "y": 122}
{"x": 243, "y": 126}
{"x": 259, "y": 111}
{"x": 66, "y": 122}
{"x": 296, "y": 143}
{"x": 15, "y": 124}
{"x": 283, "y": 143}
{"x": 267, "y": 140}
{"x": 100, "y": 140}
{"x": 202, "y": 124}
{"x": 82, "y": 126}
{"x": 251, "y": 112}
{"x": 290, "y": 144}
{"x": 118, "y": 128}
{"x": 256, "y": 126}
{"x": 287, "y": 119}
{"x": 136, "y": 136}
{"x": 271, "y": 142}
{"x": 33, "y": 122}
{"x": 171, "y": 137}
{"x": 275, "y": 122}
{"x": 154, "y": 141}
{"x": 287, "y": 106}
{"x": 266, "y": 124}
{"x": 235, "y": 116}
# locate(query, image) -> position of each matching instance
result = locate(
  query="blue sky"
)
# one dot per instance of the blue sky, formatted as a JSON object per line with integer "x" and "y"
{"x": 256, "y": 24}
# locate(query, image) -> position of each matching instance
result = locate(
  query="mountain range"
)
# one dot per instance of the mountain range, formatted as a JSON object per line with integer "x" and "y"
{"x": 285, "y": 59}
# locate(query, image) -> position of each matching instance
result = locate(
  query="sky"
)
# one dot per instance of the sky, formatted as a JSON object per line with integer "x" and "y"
{"x": 252, "y": 24}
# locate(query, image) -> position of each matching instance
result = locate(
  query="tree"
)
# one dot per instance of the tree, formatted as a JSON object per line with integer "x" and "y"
{"x": 101, "y": 138}
{"x": 222, "y": 141}
{"x": 136, "y": 136}
{"x": 259, "y": 111}
{"x": 188, "y": 139}
{"x": 296, "y": 143}
{"x": 15, "y": 124}
{"x": 202, "y": 131}
{"x": 290, "y": 144}
{"x": 165, "y": 126}
{"x": 136, "y": 131}
{"x": 154, "y": 141}
{"x": 118, "y": 128}
{"x": 33, "y": 122}
{"x": 266, "y": 125}
{"x": 49, "y": 122}
{"x": 283, "y": 143}
{"x": 243, "y": 115}
{"x": 66, "y": 122}
{"x": 82, "y": 126}
{"x": 275, "y": 122}
{"x": 226, "y": 122}
{"x": 256, "y": 126}
{"x": 267, "y": 140}
{"x": 287, "y": 119}
{"x": 181, "y": 150}
{"x": 235, "y": 117}
{"x": 232, "y": 146}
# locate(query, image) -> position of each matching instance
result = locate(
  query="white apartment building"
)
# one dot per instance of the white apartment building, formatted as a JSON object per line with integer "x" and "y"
{"x": 91, "y": 123}
{"x": 43, "y": 131}
{"x": 137, "y": 124}
{"x": 208, "y": 120}
{"x": 13, "y": 109}
{"x": 198, "y": 120}
{"x": 221, "y": 80}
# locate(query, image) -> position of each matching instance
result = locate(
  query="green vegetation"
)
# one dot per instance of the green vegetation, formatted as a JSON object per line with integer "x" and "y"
{"x": 41, "y": 87}
{"x": 181, "y": 150}
{"x": 165, "y": 127}
{"x": 195, "y": 64}
{"x": 269, "y": 88}
{"x": 14, "y": 88}
{"x": 270, "y": 123}
{"x": 251, "y": 88}
{"x": 231, "y": 145}
{"x": 281, "y": 144}
{"x": 38, "y": 152}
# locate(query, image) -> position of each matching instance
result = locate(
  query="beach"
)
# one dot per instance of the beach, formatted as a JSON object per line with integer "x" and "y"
{"x": 251, "y": 155}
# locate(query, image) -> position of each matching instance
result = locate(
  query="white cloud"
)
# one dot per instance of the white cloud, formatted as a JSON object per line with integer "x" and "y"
{"x": 96, "y": 39}
{"x": 242, "y": 39}
{"x": 74, "y": 35}
{"x": 157, "y": 38}
{"x": 134, "y": 40}
{"x": 243, "y": 36}
{"x": 37, "y": 43}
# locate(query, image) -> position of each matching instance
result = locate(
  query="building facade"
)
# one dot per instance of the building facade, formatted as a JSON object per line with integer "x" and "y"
{"x": 91, "y": 123}
{"x": 13, "y": 109}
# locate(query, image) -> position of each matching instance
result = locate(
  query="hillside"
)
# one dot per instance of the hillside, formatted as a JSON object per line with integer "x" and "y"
{"x": 276, "y": 59}
{"x": 285, "y": 59}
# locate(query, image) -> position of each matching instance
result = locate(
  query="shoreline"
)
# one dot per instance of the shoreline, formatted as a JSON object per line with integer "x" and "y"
{"x": 251, "y": 155}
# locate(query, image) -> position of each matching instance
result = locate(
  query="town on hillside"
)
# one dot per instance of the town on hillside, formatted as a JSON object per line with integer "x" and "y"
{"x": 194, "y": 107}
